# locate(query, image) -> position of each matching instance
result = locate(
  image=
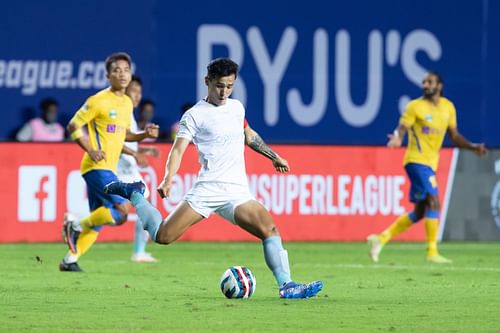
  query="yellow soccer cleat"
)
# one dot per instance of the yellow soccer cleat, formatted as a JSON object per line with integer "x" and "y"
{"x": 438, "y": 259}
{"x": 375, "y": 246}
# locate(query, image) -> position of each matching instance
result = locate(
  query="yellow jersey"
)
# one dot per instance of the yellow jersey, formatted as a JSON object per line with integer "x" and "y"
{"x": 107, "y": 117}
{"x": 427, "y": 124}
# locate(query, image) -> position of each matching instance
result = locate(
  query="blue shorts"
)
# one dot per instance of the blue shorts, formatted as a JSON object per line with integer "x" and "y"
{"x": 96, "y": 179}
{"x": 423, "y": 181}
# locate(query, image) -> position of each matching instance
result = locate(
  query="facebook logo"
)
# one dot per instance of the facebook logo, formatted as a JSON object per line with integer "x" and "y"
{"x": 37, "y": 193}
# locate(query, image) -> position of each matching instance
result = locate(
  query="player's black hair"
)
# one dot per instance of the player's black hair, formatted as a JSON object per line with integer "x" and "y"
{"x": 439, "y": 78}
{"x": 146, "y": 102}
{"x": 47, "y": 102}
{"x": 137, "y": 79}
{"x": 115, "y": 57}
{"x": 221, "y": 67}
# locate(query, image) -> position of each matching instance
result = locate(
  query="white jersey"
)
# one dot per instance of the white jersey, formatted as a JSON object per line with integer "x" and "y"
{"x": 127, "y": 163}
{"x": 217, "y": 132}
{"x": 128, "y": 170}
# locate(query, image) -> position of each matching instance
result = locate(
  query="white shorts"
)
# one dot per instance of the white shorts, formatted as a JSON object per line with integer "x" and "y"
{"x": 220, "y": 198}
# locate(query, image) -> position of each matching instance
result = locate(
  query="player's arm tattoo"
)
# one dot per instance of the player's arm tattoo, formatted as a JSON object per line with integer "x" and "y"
{"x": 256, "y": 143}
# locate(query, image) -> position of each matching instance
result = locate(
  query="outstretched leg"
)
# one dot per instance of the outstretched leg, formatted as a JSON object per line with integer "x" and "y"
{"x": 147, "y": 214}
{"x": 163, "y": 232}
{"x": 254, "y": 218}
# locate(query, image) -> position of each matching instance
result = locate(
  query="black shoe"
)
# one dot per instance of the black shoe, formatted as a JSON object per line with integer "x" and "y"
{"x": 124, "y": 189}
{"x": 73, "y": 267}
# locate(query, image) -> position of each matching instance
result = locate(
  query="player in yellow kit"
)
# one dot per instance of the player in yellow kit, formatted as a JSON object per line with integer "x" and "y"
{"x": 107, "y": 116}
{"x": 426, "y": 120}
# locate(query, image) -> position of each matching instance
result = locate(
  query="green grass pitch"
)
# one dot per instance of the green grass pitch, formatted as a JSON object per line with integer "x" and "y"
{"x": 181, "y": 293}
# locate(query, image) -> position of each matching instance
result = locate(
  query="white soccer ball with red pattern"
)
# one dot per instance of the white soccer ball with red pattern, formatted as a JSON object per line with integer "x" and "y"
{"x": 237, "y": 282}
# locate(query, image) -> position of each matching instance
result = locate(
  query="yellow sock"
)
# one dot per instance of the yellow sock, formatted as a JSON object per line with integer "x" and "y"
{"x": 86, "y": 239}
{"x": 100, "y": 216}
{"x": 401, "y": 224}
{"x": 431, "y": 230}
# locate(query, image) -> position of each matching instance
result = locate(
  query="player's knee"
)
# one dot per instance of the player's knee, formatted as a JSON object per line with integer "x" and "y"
{"x": 121, "y": 220}
{"x": 165, "y": 238}
{"x": 266, "y": 231}
{"x": 433, "y": 203}
{"x": 415, "y": 216}
{"x": 270, "y": 231}
{"x": 120, "y": 214}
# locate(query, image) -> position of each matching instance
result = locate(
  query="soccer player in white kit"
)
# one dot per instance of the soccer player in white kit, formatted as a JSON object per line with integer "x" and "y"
{"x": 217, "y": 127}
{"x": 130, "y": 160}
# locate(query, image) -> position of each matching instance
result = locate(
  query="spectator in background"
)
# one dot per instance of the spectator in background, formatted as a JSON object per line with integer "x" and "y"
{"x": 44, "y": 128}
{"x": 174, "y": 128}
{"x": 146, "y": 113}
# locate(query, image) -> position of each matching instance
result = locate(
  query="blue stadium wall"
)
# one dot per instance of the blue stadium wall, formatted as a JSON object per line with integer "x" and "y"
{"x": 321, "y": 72}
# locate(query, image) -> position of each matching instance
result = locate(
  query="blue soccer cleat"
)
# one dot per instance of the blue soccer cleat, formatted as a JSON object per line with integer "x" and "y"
{"x": 124, "y": 189}
{"x": 300, "y": 290}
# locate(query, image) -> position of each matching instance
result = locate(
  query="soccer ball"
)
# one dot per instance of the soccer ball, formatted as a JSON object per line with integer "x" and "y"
{"x": 237, "y": 282}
